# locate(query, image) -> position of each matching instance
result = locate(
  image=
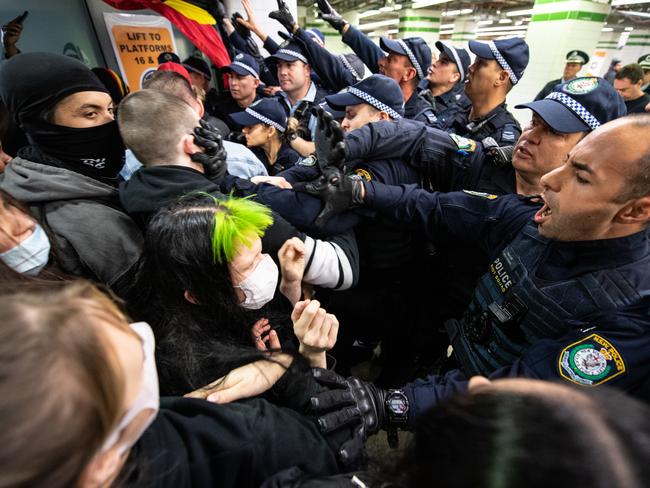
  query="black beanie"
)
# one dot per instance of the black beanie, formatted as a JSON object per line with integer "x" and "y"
{"x": 33, "y": 82}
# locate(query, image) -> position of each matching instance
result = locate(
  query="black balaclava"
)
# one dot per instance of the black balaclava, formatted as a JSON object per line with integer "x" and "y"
{"x": 31, "y": 84}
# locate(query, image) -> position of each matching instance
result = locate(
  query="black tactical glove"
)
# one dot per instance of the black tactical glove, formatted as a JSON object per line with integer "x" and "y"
{"x": 331, "y": 16}
{"x": 283, "y": 15}
{"x": 348, "y": 407}
{"x": 330, "y": 140}
{"x": 499, "y": 155}
{"x": 338, "y": 192}
{"x": 241, "y": 29}
{"x": 213, "y": 157}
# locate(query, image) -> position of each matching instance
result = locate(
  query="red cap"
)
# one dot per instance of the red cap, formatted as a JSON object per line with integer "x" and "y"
{"x": 178, "y": 68}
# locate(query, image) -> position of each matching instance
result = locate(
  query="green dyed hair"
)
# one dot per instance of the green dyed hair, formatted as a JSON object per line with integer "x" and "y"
{"x": 237, "y": 221}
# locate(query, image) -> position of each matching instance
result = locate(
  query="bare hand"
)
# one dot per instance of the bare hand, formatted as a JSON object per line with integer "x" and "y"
{"x": 292, "y": 260}
{"x": 11, "y": 32}
{"x": 278, "y": 181}
{"x": 246, "y": 381}
{"x": 264, "y": 337}
{"x": 315, "y": 329}
{"x": 250, "y": 21}
{"x": 272, "y": 90}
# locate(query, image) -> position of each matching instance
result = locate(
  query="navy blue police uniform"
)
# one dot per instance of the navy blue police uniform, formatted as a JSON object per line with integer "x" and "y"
{"x": 568, "y": 311}
{"x": 268, "y": 111}
{"x": 499, "y": 124}
{"x": 446, "y": 105}
{"x": 575, "y": 56}
{"x": 419, "y": 54}
{"x": 244, "y": 65}
{"x": 335, "y": 72}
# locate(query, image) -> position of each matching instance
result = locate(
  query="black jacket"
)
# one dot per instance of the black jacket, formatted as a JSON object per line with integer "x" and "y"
{"x": 194, "y": 443}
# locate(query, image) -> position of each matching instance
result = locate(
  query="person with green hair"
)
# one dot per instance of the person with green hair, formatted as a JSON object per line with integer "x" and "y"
{"x": 209, "y": 292}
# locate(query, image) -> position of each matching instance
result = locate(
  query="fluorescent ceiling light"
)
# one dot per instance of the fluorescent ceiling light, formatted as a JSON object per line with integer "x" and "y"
{"x": 502, "y": 29}
{"x": 485, "y": 22}
{"x": 637, "y": 14}
{"x": 505, "y": 21}
{"x": 516, "y": 13}
{"x": 629, "y": 29}
{"x": 368, "y": 13}
{"x": 386, "y": 9}
{"x": 453, "y": 13}
{"x": 392, "y": 31}
{"x": 447, "y": 26}
{"x": 618, "y": 3}
{"x": 381, "y": 23}
{"x": 607, "y": 29}
{"x": 428, "y": 3}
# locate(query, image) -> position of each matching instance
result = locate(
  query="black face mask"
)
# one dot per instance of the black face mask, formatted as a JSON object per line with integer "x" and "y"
{"x": 97, "y": 152}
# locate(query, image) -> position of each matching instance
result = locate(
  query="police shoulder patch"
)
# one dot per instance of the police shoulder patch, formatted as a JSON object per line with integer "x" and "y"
{"x": 508, "y": 133}
{"x": 363, "y": 174}
{"x": 308, "y": 161}
{"x": 463, "y": 143}
{"x": 591, "y": 361}
{"x": 489, "y": 196}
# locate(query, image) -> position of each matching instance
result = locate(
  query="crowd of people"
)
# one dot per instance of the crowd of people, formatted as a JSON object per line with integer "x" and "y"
{"x": 236, "y": 277}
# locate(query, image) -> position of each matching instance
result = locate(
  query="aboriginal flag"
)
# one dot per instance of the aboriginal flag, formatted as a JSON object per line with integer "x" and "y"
{"x": 192, "y": 18}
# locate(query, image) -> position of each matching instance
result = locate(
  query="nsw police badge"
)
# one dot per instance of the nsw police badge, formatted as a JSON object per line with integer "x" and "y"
{"x": 590, "y": 361}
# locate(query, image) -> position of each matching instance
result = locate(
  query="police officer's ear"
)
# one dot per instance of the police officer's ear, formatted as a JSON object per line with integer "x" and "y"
{"x": 455, "y": 77}
{"x": 383, "y": 115}
{"x": 503, "y": 79}
{"x": 409, "y": 74}
{"x": 635, "y": 212}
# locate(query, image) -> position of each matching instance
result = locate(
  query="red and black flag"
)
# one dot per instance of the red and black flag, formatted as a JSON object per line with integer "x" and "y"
{"x": 192, "y": 18}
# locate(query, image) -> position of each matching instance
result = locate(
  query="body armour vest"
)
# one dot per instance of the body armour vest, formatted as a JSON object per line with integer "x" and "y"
{"x": 512, "y": 310}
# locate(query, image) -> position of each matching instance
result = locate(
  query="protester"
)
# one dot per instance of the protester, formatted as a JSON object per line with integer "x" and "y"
{"x": 69, "y": 173}
{"x": 628, "y": 82}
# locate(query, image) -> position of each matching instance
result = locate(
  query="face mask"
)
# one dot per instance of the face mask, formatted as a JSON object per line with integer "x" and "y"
{"x": 30, "y": 256}
{"x": 97, "y": 152}
{"x": 259, "y": 287}
{"x": 148, "y": 399}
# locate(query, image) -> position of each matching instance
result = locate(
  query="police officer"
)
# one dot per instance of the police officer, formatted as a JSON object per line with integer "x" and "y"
{"x": 644, "y": 62}
{"x": 199, "y": 72}
{"x": 451, "y": 163}
{"x": 499, "y": 65}
{"x": 406, "y": 62}
{"x": 334, "y": 72}
{"x": 444, "y": 85}
{"x": 243, "y": 80}
{"x": 575, "y": 60}
{"x": 566, "y": 295}
{"x": 294, "y": 75}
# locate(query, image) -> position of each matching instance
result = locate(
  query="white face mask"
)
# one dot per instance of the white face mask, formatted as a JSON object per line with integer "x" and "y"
{"x": 259, "y": 287}
{"x": 30, "y": 256}
{"x": 147, "y": 400}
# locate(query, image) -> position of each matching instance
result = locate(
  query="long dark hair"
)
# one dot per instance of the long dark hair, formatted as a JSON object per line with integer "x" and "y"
{"x": 498, "y": 439}
{"x": 196, "y": 342}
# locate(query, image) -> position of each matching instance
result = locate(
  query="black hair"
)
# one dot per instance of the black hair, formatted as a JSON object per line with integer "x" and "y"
{"x": 498, "y": 439}
{"x": 196, "y": 343}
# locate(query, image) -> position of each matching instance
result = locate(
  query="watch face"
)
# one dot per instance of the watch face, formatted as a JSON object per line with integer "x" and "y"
{"x": 398, "y": 404}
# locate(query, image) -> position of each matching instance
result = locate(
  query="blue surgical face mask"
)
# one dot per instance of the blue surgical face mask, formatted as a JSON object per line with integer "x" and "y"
{"x": 30, "y": 256}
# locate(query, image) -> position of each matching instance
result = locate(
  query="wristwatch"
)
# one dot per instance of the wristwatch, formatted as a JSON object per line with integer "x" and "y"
{"x": 292, "y": 136}
{"x": 397, "y": 408}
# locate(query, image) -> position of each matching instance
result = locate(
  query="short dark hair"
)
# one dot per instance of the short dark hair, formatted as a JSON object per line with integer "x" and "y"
{"x": 633, "y": 72}
{"x": 171, "y": 82}
{"x": 638, "y": 178}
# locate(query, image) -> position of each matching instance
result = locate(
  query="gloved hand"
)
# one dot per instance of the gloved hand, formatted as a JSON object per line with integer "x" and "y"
{"x": 330, "y": 140}
{"x": 241, "y": 29}
{"x": 213, "y": 157}
{"x": 348, "y": 407}
{"x": 337, "y": 191}
{"x": 283, "y": 15}
{"x": 499, "y": 155}
{"x": 331, "y": 16}
{"x": 217, "y": 9}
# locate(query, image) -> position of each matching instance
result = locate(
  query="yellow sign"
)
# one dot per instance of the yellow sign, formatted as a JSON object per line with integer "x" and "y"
{"x": 137, "y": 42}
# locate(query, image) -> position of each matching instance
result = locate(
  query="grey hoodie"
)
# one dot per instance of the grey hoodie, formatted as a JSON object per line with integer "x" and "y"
{"x": 94, "y": 238}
